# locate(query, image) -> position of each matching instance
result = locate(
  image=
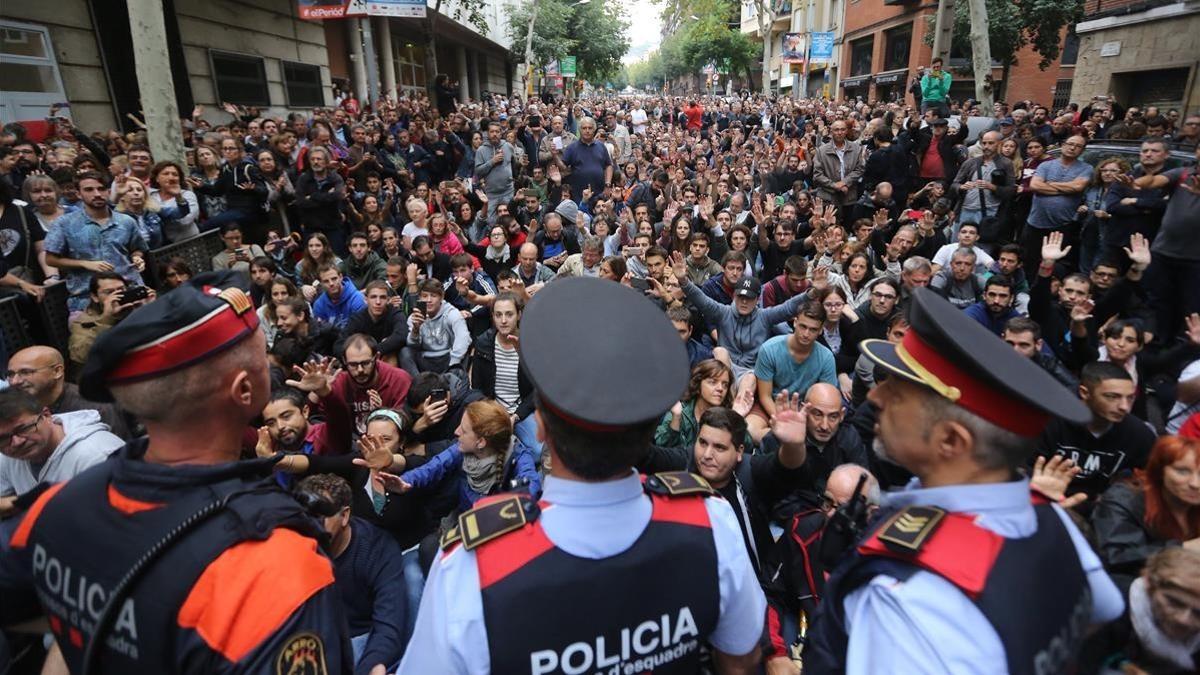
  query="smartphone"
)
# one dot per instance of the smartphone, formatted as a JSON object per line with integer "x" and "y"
{"x": 639, "y": 284}
{"x": 427, "y": 308}
{"x": 438, "y": 394}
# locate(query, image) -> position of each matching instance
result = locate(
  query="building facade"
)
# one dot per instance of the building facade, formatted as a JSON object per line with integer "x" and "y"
{"x": 252, "y": 52}
{"x": 479, "y": 62}
{"x": 1142, "y": 53}
{"x": 803, "y": 17}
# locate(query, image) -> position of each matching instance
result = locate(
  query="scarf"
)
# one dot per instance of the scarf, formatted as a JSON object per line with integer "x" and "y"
{"x": 497, "y": 254}
{"x": 480, "y": 472}
{"x": 1164, "y": 649}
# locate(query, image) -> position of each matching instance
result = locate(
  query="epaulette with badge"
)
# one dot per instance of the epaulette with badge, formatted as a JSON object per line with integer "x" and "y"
{"x": 908, "y": 530}
{"x": 678, "y": 484}
{"x": 490, "y": 519}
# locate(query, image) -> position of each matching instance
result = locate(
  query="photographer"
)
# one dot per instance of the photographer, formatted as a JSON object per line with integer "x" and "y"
{"x": 986, "y": 186}
{"x": 237, "y": 255}
{"x": 111, "y": 301}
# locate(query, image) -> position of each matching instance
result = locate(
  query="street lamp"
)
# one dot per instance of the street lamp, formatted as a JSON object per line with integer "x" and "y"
{"x": 529, "y": 45}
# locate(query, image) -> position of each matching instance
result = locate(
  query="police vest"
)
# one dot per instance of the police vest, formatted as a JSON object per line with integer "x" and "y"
{"x": 648, "y": 608}
{"x": 85, "y": 537}
{"x": 1033, "y": 591}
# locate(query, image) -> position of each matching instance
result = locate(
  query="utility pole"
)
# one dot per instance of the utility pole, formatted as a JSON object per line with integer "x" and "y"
{"x": 152, "y": 64}
{"x": 981, "y": 54}
{"x": 943, "y": 31}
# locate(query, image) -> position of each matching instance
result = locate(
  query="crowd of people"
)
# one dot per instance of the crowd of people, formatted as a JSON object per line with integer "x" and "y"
{"x": 389, "y": 253}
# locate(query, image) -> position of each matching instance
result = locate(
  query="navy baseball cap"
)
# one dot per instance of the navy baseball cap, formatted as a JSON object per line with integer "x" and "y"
{"x": 747, "y": 287}
{"x": 192, "y": 323}
{"x": 601, "y": 355}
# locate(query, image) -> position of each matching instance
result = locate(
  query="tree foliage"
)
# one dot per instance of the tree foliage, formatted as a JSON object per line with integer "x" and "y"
{"x": 594, "y": 33}
{"x": 711, "y": 38}
{"x": 1013, "y": 25}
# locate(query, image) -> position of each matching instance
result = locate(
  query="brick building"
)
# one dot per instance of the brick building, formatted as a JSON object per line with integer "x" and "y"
{"x": 884, "y": 42}
{"x": 1143, "y": 52}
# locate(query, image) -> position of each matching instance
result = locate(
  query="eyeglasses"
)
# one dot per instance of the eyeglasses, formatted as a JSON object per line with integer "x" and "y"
{"x": 360, "y": 365}
{"x": 22, "y": 431}
{"x": 23, "y": 373}
{"x": 1074, "y": 145}
{"x": 883, "y": 296}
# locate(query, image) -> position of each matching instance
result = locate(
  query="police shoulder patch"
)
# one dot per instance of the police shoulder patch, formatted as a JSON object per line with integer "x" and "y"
{"x": 449, "y": 538}
{"x": 908, "y": 530}
{"x": 302, "y": 654}
{"x": 678, "y": 484}
{"x": 493, "y": 519}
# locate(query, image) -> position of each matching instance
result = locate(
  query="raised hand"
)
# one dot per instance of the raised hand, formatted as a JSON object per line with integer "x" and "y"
{"x": 393, "y": 483}
{"x": 315, "y": 377}
{"x": 679, "y": 266}
{"x": 1082, "y": 310}
{"x": 264, "y": 447}
{"x": 1052, "y": 248}
{"x": 374, "y": 455}
{"x": 790, "y": 421}
{"x": 743, "y": 402}
{"x": 1192, "y": 331}
{"x": 1052, "y": 477}
{"x": 1138, "y": 252}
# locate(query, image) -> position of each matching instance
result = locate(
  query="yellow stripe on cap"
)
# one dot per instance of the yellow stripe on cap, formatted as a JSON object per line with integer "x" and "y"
{"x": 932, "y": 381}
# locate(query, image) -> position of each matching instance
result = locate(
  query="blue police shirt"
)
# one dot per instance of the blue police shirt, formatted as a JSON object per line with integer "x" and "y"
{"x": 590, "y": 520}
{"x": 925, "y": 624}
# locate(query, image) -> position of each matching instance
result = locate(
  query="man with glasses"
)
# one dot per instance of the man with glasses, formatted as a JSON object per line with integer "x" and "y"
{"x": 37, "y": 446}
{"x": 368, "y": 383}
{"x": 40, "y": 372}
{"x": 873, "y": 317}
{"x": 1057, "y": 187}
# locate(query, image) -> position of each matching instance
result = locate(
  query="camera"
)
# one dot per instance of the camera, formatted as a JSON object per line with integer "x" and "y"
{"x": 134, "y": 294}
{"x": 999, "y": 178}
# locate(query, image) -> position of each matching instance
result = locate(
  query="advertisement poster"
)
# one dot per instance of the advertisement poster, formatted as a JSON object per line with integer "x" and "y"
{"x": 821, "y": 50}
{"x": 793, "y": 50}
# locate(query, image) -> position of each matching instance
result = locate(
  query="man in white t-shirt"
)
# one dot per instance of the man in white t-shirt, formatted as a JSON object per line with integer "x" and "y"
{"x": 638, "y": 117}
{"x": 968, "y": 236}
{"x": 1187, "y": 397}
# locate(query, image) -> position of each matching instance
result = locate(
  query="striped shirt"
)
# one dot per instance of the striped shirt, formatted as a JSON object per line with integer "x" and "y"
{"x": 508, "y": 390}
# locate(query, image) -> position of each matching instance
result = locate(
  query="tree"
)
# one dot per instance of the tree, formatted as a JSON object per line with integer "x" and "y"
{"x": 594, "y": 33}
{"x": 764, "y": 12}
{"x": 470, "y": 11}
{"x": 1015, "y": 24}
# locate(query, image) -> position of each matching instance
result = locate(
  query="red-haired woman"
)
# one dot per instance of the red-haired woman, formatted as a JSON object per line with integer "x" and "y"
{"x": 1160, "y": 509}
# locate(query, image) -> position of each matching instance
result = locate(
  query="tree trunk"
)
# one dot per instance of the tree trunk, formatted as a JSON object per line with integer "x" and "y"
{"x": 981, "y": 54}
{"x": 764, "y": 29}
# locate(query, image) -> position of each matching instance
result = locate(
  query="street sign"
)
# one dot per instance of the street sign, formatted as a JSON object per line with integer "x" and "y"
{"x": 567, "y": 66}
{"x": 820, "y": 47}
{"x": 405, "y": 8}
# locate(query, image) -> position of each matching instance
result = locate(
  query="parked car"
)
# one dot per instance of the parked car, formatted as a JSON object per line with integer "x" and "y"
{"x": 1098, "y": 151}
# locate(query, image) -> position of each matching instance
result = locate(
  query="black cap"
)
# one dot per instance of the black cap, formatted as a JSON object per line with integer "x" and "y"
{"x": 961, "y": 360}
{"x": 939, "y": 122}
{"x": 747, "y": 287}
{"x": 601, "y": 356}
{"x": 196, "y": 321}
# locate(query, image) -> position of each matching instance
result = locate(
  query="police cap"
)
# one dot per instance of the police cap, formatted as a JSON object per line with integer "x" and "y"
{"x": 601, "y": 355}
{"x": 196, "y": 321}
{"x": 958, "y": 358}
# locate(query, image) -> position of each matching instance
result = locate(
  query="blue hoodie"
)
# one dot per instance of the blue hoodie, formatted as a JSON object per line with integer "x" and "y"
{"x": 338, "y": 313}
{"x": 521, "y": 466}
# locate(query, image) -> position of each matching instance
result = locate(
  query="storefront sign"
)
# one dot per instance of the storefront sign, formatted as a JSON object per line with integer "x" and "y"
{"x": 317, "y": 10}
{"x": 404, "y": 8}
{"x": 890, "y": 78}
{"x": 853, "y": 82}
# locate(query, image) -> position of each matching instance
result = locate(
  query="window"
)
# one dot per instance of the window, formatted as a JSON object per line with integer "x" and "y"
{"x": 1070, "y": 48}
{"x": 302, "y": 84}
{"x": 410, "y": 68}
{"x": 239, "y": 78}
{"x": 1062, "y": 95}
{"x": 861, "y": 56}
{"x": 26, "y": 61}
{"x": 899, "y": 43}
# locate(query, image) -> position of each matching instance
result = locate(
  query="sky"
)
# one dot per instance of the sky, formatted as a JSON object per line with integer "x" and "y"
{"x": 644, "y": 27}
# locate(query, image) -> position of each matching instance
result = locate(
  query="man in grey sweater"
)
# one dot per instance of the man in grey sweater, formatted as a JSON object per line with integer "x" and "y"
{"x": 493, "y": 165}
{"x": 741, "y": 327}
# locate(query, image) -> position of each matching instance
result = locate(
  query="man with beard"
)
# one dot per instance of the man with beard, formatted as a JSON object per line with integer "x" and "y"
{"x": 381, "y": 320}
{"x": 78, "y": 251}
{"x": 930, "y": 586}
{"x": 1024, "y": 335}
{"x": 40, "y": 372}
{"x": 753, "y": 483}
{"x": 286, "y": 423}
{"x": 995, "y": 309}
{"x": 369, "y": 383}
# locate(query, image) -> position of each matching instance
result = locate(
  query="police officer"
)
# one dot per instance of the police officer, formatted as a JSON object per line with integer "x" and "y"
{"x": 174, "y": 557}
{"x": 964, "y": 571}
{"x": 607, "y": 573}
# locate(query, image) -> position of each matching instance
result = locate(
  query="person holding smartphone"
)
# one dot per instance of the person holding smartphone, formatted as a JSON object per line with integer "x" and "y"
{"x": 438, "y": 337}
